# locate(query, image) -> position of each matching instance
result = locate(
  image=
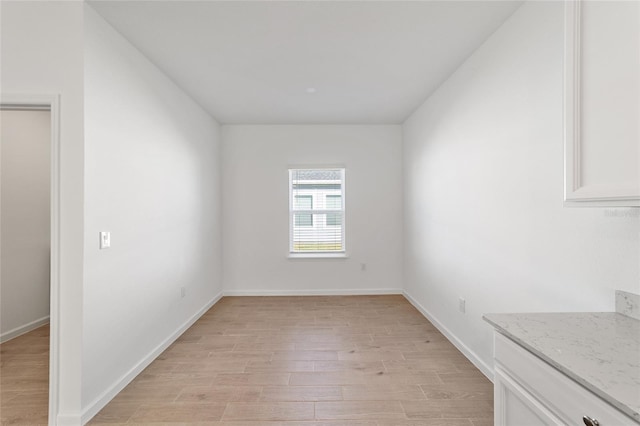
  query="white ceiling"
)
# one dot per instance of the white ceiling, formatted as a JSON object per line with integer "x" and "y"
{"x": 253, "y": 62}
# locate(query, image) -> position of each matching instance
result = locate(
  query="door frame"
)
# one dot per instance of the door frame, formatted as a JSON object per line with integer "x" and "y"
{"x": 51, "y": 103}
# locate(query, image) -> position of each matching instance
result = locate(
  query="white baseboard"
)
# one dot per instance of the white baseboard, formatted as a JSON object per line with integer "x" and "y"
{"x": 341, "y": 292}
{"x": 19, "y": 331}
{"x": 471, "y": 356}
{"x": 99, "y": 403}
{"x": 67, "y": 419}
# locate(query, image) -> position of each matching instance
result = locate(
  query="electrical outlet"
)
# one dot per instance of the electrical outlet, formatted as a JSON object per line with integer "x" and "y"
{"x": 183, "y": 291}
{"x": 462, "y": 305}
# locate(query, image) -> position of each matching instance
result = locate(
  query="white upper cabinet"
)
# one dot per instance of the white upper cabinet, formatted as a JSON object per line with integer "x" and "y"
{"x": 602, "y": 103}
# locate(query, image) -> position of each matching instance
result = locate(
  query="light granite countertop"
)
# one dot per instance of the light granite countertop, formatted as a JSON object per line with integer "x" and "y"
{"x": 601, "y": 351}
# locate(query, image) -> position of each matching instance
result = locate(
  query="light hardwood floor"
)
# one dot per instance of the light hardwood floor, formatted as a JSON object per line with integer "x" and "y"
{"x": 352, "y": 360}
{"x": 303, "y": 361}
{"x": 24, "y": 379}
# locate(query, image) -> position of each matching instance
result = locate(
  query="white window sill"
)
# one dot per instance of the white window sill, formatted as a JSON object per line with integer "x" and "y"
{"x": 339, "y": 255}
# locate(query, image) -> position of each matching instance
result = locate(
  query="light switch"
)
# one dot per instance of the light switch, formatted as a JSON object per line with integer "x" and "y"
{"x": 105, "y": 240}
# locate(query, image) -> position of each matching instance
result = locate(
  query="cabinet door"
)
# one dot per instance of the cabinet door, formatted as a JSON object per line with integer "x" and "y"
{"x": 515, "y": 406}
{"x": 602, "y": 103}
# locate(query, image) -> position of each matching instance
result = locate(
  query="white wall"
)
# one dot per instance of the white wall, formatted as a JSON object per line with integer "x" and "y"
{"x": 256, "y": 202}
{"x": 24, "y": 234}
{"x": 42, "y": 54}
{"x": 484, "y": 217}
{"x": 152, "y": 180}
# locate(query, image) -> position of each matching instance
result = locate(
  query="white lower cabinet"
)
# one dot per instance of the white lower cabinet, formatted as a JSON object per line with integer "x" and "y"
{"x": 516, "y": 406}
{"x": 530, "y": 392}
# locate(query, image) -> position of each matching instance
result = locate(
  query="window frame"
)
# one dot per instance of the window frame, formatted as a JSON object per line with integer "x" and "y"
{"x": 318, "y": 253}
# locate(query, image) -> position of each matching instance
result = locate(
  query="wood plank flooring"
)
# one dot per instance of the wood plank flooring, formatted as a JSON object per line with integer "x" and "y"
{"x": 294, "y": 361}
{"x": 282, "y": 361}
{"x": 24, "y": 379}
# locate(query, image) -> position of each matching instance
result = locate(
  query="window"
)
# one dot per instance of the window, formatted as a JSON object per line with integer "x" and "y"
{"x": 303, "y": 202}
{"x": 334, "y": 202}
{"x": 316, "y": 210}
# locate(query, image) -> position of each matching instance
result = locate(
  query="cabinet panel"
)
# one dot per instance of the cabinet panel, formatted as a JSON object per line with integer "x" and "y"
{"x": 602, "y": 103}
{"x": 517, "y": 406}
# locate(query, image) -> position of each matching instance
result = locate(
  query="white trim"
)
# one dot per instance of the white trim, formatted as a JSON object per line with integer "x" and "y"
{"x": 575, "y": 192}
{"x": 343, "y": 197}
{"x": 11, "y": 107}
{"x": 19, "y": 331}
{"x": 342, "y": 292}
{"x": 323, "y": 166}
{"x": 69, "y": 419}
{"x": 598, "y": 202}
{"x": 319, "y": 255}
{"x": 53, "y": 102}
{"x": 471, "y": 356}
{"x": 572, "y": 99}
{"x": 100, "y": 402}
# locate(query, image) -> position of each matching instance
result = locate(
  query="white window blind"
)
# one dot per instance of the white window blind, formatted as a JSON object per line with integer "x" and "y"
{"x": 316, "y": 210}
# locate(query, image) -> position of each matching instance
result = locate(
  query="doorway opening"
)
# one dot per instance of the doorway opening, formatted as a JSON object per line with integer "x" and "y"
{"x": 29, "y": 253}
